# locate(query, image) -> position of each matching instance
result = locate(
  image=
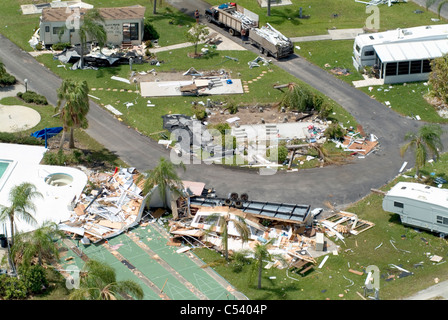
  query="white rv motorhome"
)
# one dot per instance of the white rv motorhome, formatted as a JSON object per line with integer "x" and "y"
{"x": 419, "y": 206}
{"x": 363, "y": 48}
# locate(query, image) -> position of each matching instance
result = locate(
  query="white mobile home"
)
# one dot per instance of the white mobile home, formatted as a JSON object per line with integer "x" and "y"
{"x": 419, "y": 205}
{"x": 401, "y": 55}
{"x": 123, "y": 25}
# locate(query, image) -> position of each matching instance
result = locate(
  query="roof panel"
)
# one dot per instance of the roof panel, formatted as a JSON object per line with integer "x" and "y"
{"x": 395, "y": 52}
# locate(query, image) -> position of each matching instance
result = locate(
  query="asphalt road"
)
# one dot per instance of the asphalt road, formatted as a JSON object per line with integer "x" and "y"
{"x": 340, "y": 185}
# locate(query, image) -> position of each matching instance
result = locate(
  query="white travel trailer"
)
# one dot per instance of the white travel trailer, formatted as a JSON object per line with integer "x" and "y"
{"x": 364, "y": 51}
{"x": 419, "y": 206}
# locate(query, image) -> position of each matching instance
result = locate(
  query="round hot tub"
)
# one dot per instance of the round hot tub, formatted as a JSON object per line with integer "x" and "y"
{"x": 59, "y": 179}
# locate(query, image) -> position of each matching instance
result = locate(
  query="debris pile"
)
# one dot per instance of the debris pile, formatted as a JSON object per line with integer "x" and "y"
{"x": 294, "y": 242}
{"x": 101, "y": 57}
{"x": 358, "y": 142}
{"x": 114, "y": 206}
{"x": 272, "y": 35}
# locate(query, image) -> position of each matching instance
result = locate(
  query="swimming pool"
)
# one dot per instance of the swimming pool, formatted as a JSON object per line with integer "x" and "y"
{"x": 6, "y": 167}
{"x": 3, "y": 167}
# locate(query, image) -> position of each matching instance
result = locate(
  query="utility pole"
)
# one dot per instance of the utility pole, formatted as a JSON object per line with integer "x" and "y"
{"x": 269, "y": 8}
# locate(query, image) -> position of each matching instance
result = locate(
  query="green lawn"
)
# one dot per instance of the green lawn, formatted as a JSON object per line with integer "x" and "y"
{"x": 339, "y": 14}
{"x": 19, "y": 28}
{"x": 371, "y": 247}
{"x": 96, "y": 150}
{"x": 148, "y": 120}
{"x": 406, "y": 99}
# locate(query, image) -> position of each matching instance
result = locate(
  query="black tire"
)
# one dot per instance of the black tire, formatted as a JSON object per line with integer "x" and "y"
{"x": 231, "y": 32}
{"x": 209, "y": 19}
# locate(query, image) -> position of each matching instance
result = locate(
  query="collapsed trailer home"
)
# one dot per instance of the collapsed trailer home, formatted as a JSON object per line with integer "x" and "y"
{"x": 114, "y": 207}
{"x": 289, "y": 231}
{"x": 419, "y": 205}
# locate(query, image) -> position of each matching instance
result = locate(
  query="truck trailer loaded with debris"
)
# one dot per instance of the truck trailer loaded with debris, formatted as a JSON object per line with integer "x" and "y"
{"x": 271, "y": 42}
{"x": 240, "y": 21}
{"x": 419, "y": 206}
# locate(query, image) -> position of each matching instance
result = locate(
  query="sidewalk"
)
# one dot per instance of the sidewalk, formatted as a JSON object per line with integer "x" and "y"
{"x": 337, "y": 34}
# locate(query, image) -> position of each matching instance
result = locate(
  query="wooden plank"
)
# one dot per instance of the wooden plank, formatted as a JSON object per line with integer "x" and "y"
{"x": 306, "y": 269}
{"x": 359, "y": 273}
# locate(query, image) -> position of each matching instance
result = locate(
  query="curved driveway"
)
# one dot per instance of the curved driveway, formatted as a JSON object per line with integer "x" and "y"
{"x": 340, "y": 185}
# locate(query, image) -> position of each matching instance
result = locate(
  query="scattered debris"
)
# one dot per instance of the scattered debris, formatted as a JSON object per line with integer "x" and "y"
{"x": 114, "y": 206}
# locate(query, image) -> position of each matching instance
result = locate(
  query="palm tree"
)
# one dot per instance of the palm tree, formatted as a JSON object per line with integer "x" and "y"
{"x": 261, "y": 253}
{"x": 73, "y": 113}
{"x": 439, "y": 7}
{"x": 428, "y": 138}
{"x": 99, "y": 282}
{"x": 92, "y": 27}
{"x": 164, "y": 176}
{"x": 221, "y": 221}
{"x": 21, "y": 198}
{"x": 296, "y": 97}
{"x": 38, "y": 243}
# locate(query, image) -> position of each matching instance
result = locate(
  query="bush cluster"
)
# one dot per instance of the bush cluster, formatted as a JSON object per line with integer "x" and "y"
{"x": 19, "y": 138}
{"x": 61, "y": 46}
{"x": 7, "y": 80}
{"x": 32, "y": 280}
{"x": 150, "y": 33}
{"x": 32, "y": 97}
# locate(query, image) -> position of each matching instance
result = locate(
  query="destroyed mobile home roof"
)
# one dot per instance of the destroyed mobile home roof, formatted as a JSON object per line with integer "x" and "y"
{"x": 269, "y": 210}
{"x": 108, "y": 211}
{"x": 120, "y": 13}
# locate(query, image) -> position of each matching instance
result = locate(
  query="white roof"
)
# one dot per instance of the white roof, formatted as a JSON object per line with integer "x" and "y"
{"x": 420, "y": 192}
{"x": 421, "y": 33}
{"x": 406, "y": 51}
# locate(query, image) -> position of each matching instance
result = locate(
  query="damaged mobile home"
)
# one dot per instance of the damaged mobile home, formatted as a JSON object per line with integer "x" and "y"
{"x": 112, "y": 208}
{"x": 292, "y": 230}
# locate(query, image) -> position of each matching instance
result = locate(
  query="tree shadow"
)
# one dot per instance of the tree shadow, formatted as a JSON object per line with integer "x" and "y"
{"x": 106, "y": 71}
{"x": 173, "y": 17}
{"x": 280, "y": 293}
{"x": 287, "y": 15}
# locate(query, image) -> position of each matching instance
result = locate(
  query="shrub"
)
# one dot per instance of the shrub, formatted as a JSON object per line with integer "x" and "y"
{"x": 12, "y": 288}
{"x": 335, "y": 131}
{"x": 279, "y": 154}
{"x": 149, "y": 32}
{"x": 58, "y": 158}
{"x": 7, "y": 80}
{"x": 199, "y": 112}
{"x": 32, "y": 97}
{"x": 61, "y": 46}
{"x": 19, "y": 138}
{"x": 33, "y": 278}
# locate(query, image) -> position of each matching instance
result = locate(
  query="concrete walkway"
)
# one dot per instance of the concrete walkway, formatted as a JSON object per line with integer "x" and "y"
{"x": 337, "y": 34}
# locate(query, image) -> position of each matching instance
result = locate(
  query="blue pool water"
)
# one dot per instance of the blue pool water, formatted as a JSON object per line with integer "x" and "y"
{"x": 3, "y": 167}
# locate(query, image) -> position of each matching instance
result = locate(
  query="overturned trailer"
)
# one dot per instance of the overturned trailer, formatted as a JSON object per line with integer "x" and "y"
{"x": 419, "y": 205}
{"x": 281, "y": 212}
